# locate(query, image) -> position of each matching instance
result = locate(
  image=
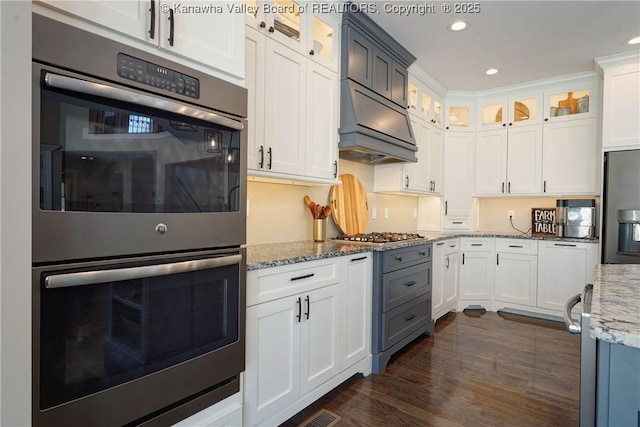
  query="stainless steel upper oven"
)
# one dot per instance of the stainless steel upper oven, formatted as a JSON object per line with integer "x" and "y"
{"x": 133, "y": 154}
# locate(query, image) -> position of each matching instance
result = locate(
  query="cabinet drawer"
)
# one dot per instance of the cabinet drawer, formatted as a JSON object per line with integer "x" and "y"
{"x": 449, "y": 246}
{"x": 400, "y": 258}
{"x": 272, "y": 283}
{"x": 477, "y": 244}
{"x": 405, "y": 319}
{"x": 404, "y": 285}
{"x": 517, "y": 246}
{"x": 461, "y": 223}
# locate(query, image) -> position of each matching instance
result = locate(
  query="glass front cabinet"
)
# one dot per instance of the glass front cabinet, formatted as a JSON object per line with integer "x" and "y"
{"x": 425, "y": 103}
{"x": 296, "y": 25}
{"x": 576, "y": 99}
{"x": 459, "y": 113}
{"x": 517, "y": 109}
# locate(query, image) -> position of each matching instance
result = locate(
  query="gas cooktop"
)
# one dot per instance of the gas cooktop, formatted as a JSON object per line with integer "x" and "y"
{"x": 379, "y": 237}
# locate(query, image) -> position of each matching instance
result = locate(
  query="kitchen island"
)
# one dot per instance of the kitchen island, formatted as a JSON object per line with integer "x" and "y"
{"x": 615, "y": 323}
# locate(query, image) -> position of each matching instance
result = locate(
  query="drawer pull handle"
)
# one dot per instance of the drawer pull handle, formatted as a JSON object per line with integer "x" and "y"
{"x": 452, "y": 246}
{"x": 358, "y": 259}
{"x": 308, "y": 307}
{"x": 399, "y": 258}
{"x": 422, "y": 253}
{"x": 299, "y": 315}
{"x": 477, "y": 244}
{"x": 440, "y": 244}
{"x": 411, "y": 283}
{"x": 565, "y": 244}
{"x": 515, "y": 246}
{"x": 457, "y": 222}
{"x": 306, "y": 276}
{"x": 409, "y": 317}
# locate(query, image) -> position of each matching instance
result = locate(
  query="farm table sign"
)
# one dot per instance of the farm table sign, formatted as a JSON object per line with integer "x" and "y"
{"x": 543, "y": 222}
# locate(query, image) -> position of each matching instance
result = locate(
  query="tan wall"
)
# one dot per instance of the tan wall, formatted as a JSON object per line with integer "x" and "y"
{"x": 492, "y": 213}
{"x": 277, "y": 212}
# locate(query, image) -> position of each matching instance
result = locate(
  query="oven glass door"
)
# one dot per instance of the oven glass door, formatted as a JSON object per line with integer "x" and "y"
{"x": 100, "y": 154}
{"x": 106, "y": 326}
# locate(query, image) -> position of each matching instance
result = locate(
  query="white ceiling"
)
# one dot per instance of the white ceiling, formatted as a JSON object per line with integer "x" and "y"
{"x": 525, "y": 40}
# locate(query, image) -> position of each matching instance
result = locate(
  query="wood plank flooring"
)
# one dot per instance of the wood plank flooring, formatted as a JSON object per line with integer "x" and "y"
{"x": 480, "y": 369}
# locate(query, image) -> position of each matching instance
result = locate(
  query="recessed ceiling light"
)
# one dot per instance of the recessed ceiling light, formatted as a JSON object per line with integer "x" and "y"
{"x": 458, "y": 26}
{"x": 634, "y": 40}
{"x": 491, "y": 71}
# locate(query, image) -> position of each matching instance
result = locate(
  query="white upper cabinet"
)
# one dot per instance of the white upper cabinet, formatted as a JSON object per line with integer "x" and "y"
{"x": 459, "y": 113}
{"x": 210, "y": 34}
{"x": 621, "y": 104}
{"x": 300, "y": 25}
{"x": 512, "y": 110}
{"x": 425, "y": 103}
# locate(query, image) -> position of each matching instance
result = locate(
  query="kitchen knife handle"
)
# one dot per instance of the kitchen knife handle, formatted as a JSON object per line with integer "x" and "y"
{"x": 261, "y": 163}
{"x": 171, "y": 26}
{"x": 308, "y": 307}
{"x": 299, "y": 315}
{"x": 270, "y": 152}
{"x": 152, "y": 26}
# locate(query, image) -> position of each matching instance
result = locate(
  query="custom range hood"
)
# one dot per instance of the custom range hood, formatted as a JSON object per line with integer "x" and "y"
{"x": 374, "y": 122}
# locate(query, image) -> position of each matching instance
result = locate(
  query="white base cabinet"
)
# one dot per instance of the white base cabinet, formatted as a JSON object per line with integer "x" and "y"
{"x": 308, "y": 329}
{"x": 564, "y": 269}
{"x": 476, "y": 271}
{"x": 444, "y": 277}
{"x": 516, "y": 279}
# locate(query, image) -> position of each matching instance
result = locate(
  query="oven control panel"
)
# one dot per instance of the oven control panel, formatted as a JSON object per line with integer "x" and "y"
{"x": 155, "y": 75}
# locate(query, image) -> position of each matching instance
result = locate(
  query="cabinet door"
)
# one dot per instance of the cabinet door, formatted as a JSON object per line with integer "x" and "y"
{"x": 382, "y": 72}
{"x": 436, "y": 142}
{"x": 211, "y": 34}
{"x": 359, "y": 61}
{"x": 563, "y": 271}
{"x": 516, "y": 278}
{"x": 476, "y": 275}
{"x": 322, "y": 122}
{"x": 416, "y": 174}
{"x": 524, "y": 160}
{"x": 569, "y": 157}
{"x": 320, "y": 337}
{"x": 285, "y": 105}
{"x": 437, "y": 281}
{"x": 399, "y": 85}
{"x": 324, "y": 49}
{"x": 355, "y": 336}
{"x": 458, "y": 179}
{"x": 451, "y": 277}
{"x": 132, "y": 18}
{"x": 272, "y": 378}
{"x": 621, "y": 107}
{"x": 254, "y": 82}
{"x": 491, "y": 162}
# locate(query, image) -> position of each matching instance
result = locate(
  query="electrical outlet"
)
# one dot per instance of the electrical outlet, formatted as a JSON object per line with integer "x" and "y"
{"x": 374, "y": 213}
{"x": 386, "y": 213}
{"x": 511, "y": 215}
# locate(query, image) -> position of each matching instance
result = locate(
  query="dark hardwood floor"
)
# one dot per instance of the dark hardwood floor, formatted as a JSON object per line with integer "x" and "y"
{"x": 480, "y": 369}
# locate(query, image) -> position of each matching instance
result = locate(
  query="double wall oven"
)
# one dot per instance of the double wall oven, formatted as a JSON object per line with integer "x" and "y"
{"x": 139, "y": 226}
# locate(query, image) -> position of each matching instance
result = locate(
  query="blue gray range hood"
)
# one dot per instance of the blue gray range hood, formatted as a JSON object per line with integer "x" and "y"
{"x": 374, "y": 121}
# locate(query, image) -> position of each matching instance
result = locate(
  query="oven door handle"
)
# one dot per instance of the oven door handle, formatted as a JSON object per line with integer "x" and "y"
{"x": 105, "y": 91}
{"x": 66, "y": 280}
{"x": 573, "y": 327}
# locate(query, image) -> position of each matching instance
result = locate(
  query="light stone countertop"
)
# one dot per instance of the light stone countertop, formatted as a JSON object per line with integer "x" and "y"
{"x": 615, "y": 305}
{"x": 274, "y": 254}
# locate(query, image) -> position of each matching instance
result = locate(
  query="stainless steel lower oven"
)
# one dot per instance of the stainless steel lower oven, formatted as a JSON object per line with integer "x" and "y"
{"x": 138, "y": 341}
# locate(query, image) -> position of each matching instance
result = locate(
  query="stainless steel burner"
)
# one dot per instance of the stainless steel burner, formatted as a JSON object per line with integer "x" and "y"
{"x": 379, "y": 237}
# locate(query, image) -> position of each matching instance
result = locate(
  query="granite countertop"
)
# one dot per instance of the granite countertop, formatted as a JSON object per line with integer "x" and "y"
{"x": 615, "y": 305}
{"x": 274, "y": 254}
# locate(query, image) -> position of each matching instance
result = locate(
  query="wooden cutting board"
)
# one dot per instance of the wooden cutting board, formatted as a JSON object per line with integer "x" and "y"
{"x": 350, "y": 209}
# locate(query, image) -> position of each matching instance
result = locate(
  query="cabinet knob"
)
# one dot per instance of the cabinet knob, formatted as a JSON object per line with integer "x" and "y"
{"x": 311, "y": 52}
{"x": 504, "y": 125}
{"x": 447, "y": 127}
{"x": 546, "y": 119}
{"x": 263, "y": 24}
{"x": 510, "y": 124}
{"x": 271, "y": 29}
